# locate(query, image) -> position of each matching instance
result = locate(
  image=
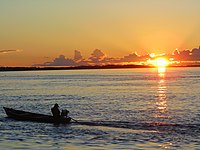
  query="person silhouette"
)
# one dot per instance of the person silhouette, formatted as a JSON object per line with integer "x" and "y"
{"x": 55, "y": 111}
{"x": 64, "y": 113}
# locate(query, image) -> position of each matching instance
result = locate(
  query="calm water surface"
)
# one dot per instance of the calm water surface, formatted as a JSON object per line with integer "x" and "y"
{"x": 124, "y": 109}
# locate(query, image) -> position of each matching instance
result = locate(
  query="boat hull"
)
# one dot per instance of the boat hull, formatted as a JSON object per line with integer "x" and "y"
{"x": 28, "y": 116}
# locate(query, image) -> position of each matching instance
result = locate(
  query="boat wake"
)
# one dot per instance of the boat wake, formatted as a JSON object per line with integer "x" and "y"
{"x": 143, "y": 126}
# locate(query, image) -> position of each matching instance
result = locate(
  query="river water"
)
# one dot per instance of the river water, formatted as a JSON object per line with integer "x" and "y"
{"x": 122, "y": 109}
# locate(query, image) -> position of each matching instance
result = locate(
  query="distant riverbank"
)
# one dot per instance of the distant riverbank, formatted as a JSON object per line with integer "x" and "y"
{"x": 72, "y": 68}
{"x": 82, "y": 67}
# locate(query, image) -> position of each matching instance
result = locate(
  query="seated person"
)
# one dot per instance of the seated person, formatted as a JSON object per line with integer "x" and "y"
{"x": 64, "y": 113}
{"x": 55, "y": 111}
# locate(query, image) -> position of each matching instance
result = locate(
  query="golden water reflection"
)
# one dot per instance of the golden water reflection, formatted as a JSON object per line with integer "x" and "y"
{"x": 161, "y": 72}
{"x": 161, "y": 97}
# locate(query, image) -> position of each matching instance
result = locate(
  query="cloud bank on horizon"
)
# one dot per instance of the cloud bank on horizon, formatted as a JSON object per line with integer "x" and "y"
{"x": 99, "y": 58}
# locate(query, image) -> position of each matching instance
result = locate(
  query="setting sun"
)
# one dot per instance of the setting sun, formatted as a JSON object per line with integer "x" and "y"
{"x": 160, "y": 62}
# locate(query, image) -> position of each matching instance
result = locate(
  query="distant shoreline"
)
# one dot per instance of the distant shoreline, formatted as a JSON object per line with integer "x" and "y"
{"x": 3, "y": 69}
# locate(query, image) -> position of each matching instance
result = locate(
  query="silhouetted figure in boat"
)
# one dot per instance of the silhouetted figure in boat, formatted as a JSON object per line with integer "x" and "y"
{"x": 55, "y": 111}
{"x": 64, "y": 113}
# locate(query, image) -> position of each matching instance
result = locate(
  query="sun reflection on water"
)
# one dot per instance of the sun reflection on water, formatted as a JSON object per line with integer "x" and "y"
{"x": 161, "y": 97}
{"x": 161, "y": 72}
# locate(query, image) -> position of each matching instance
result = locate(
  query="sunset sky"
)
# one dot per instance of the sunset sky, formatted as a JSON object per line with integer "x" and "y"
{"x": 37, "y": 31}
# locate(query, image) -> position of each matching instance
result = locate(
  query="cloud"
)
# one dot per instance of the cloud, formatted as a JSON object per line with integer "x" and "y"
{"x": 100, "y": 58}
{"x": 130, "y": 58}
{"x": 62, "y": 61}
{"x": 187, "y": 55}
{"x": 97, "y": 56}
{"x": 5, "y": 51}
{"x": 77, "y": 56}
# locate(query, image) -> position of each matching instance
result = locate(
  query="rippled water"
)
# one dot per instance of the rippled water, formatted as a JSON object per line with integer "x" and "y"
{"x": 119, "y": 109}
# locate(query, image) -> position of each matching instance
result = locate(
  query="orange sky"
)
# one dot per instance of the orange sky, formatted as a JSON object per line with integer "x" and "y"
{"x": 38, "y": 31}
